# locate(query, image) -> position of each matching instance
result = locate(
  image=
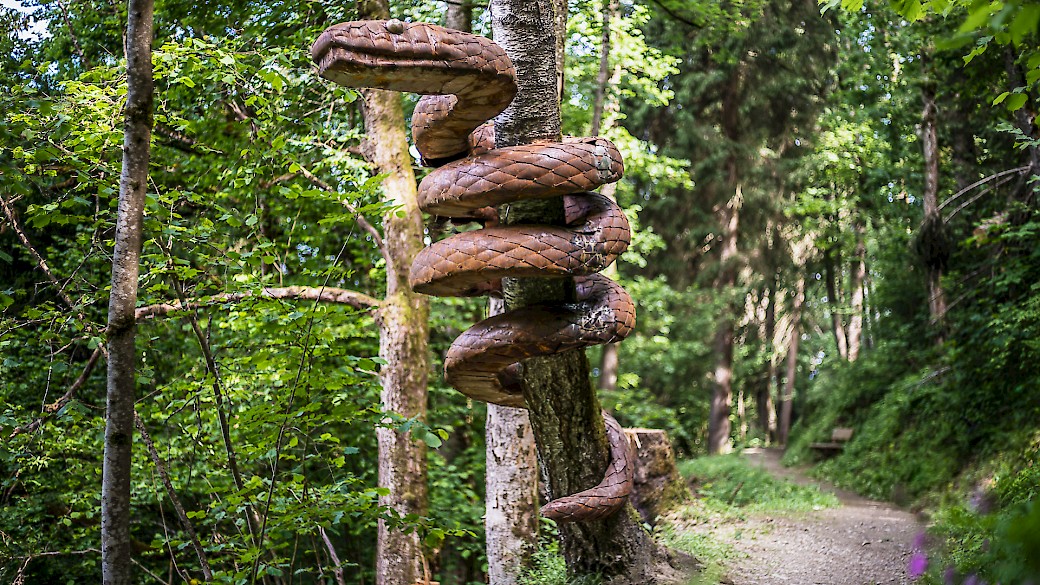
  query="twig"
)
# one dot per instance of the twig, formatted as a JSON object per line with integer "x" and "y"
{"x": 301, "y": 293}
{"x": 954, "y": 197}
{"x": 41, "y": 263}
{"x": 52, "y": 409}
{"x": 337, "y": 565}
{"x": 165, "y": 475}
{"x": 685, "y": 21}
{"x": 978, "y": 196}
{"x": 360, "y": 219}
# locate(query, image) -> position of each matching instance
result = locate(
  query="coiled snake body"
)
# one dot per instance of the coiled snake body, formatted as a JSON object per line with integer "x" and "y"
{"x": 468, "y": 80}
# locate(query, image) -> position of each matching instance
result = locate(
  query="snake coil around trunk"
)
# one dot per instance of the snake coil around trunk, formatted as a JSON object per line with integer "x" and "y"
{"x": 466, "y": 81}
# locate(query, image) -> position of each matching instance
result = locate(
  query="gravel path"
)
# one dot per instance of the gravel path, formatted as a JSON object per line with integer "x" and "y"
{"x": 861, "y": 542}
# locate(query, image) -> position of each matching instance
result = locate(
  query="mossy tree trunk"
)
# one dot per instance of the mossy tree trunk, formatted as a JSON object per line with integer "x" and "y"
{"x": 403, "y": 332}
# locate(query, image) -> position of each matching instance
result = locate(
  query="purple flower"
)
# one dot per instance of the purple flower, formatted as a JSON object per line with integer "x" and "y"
{"x": 917, "y": 566}
{"x": 973, "y": 579}
{"x": 950, "y": 576}
{"x": 919, "y": 541}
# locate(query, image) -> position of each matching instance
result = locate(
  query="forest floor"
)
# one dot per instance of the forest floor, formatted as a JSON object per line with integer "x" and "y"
{"x": 858, "y": 542}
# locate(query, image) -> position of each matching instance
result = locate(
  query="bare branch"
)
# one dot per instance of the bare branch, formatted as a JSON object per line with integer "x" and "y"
{"x": 301, "y": 293}
{"x": 675, "y": 16}
{"x": 337, "y": 566}
{"x": 165, "y": 475}
{"x": 53, "y": 408}
{"x": 361, "y": 221}
{"x": 41, "y": 263}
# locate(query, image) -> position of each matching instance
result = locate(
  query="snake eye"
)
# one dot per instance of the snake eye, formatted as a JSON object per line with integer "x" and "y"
{"x": 395, "y": 26}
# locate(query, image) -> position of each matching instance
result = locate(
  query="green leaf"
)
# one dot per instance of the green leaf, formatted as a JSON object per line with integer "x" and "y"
{"x": 1016, "y": 101}
{"x": 1000, "y": 98}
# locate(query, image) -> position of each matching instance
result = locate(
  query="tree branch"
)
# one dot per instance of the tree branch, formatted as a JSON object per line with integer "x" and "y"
{"x": 51, "y": 409}
{"x": 41, "y": 263}
{"x": 675, "y": 16}
{"x": 165, "y": 475}
{"x": 360, "y": 219}
{"x": 300, "y": 293}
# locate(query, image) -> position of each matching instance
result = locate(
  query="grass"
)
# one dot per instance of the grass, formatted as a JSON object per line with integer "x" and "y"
{"x": 729, "y": 483}
{"x": 728, "y": 489}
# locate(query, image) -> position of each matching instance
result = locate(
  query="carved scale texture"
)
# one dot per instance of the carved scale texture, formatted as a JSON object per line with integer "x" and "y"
{"x": 466, "y": 81}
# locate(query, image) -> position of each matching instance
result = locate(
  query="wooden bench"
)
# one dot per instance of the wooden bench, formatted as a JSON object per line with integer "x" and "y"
{"x": 839, "y": 436}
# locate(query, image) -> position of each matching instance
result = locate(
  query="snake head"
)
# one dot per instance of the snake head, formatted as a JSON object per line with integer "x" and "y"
{"x": 405, "y": 56}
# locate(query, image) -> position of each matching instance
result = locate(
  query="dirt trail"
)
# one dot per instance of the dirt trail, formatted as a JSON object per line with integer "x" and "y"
{"x": 860, "y": 542}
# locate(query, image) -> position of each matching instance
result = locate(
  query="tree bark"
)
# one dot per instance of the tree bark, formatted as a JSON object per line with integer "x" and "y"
{"x": 766, "y": 412}
{"x": 856, "y": 282}
{"x": 133, "y": 184}
{"x": 722, "y": 346}
{"x": 604, "y": 110}
{"x": 459, "y": 15}
{"x": 564, "y": 410}
{"x": 787, "y": 398}
{"x": 841, "y": 339}
{"x": 403, "y": 332}
{"x": 511, "y": 481}
{"x": 930, "y": 146}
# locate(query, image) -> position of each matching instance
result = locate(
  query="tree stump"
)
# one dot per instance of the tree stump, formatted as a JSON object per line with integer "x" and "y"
{"x": 658, "y": 485}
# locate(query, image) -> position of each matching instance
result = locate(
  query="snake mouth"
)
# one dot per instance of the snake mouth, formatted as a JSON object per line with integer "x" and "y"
{"x": 374, "y": 53}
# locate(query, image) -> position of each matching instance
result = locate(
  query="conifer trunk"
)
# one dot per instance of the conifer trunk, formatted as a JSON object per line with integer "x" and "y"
{"x": 403, "y": 332}
{"x": 787, "y": 397}
{"x": 857, "y": 280}
{"x": 121, "y": 332}
{"x": 930, "y": 147}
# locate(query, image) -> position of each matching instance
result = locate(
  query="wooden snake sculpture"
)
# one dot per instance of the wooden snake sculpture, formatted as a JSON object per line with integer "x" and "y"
{"x": 468, "y": 80}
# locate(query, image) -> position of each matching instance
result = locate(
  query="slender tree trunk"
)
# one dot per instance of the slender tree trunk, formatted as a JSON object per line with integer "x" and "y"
{"x": 787, "y": 398}
{"x": 841, "y": 339}
{"x": 765, "y": 410}
{"x": 722, "y": 387}
{"x": 511, "y": 481}
{"x": 403, "y": 332}
{"x": 133, "y": 184}
{"x": 722, "y": 346}
{"x": 603, "y": 112}
{"x": 857, "y": 280}
{"x": 564, "y": 410}
{"x": 560, "y": 32}
{"x": 930, "y": 146}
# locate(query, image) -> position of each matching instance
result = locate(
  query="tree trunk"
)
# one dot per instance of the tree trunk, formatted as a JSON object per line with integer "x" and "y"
{"x": 857, "y": 280}
{"x": 722, "y": 346}
{"x": 133, "y": 184}
{"x": 459, "y": 15}
{"x": 787, "y": 398}
{"x": 403, "y": 333}
{"x": 602, "y": 118}
{"x": 930, "y": 146}
{"x": 564, "y": 411}
{"x": 765, "y": 411}
{"x": 841, "y": 339}
{"x": 511, "y": 518}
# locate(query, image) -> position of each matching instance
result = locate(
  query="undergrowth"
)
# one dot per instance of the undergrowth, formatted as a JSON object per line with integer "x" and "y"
{"x": 730, "y": 484}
